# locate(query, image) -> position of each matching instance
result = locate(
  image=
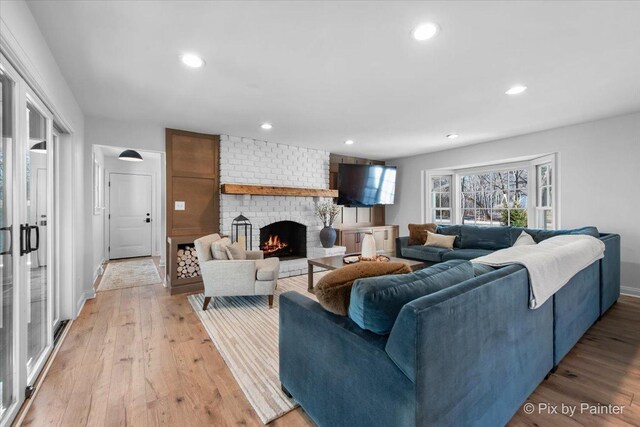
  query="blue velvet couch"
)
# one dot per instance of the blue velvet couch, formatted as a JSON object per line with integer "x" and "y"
{"x": 464, "y": 353}
{"x": 475, "y": 241}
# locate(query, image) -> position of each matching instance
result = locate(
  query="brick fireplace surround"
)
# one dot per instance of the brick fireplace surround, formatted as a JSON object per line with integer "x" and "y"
{"x": 249, "y": 161}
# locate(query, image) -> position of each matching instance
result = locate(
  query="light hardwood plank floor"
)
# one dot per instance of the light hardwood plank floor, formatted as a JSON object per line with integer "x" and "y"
{"x": 141, "y": 357}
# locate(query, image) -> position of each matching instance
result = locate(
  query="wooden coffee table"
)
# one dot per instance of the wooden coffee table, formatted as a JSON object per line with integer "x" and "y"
{"x": 335, "y": 262}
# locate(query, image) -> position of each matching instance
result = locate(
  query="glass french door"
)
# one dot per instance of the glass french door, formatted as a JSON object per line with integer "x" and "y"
{"x": 35, "y": 201}
{"x": 8, "y": 261}
{"x": 26, "y": 239}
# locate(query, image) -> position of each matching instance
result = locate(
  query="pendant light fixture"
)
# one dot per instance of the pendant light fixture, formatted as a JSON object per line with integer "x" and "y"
{"x": 40, "y": 147}
{"x": 130, "y": 156}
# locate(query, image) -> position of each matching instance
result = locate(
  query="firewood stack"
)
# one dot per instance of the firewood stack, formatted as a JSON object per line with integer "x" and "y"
{"x": 187, "y": 263}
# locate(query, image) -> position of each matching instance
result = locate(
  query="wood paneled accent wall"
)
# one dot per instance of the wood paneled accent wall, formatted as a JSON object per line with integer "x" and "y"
{"x": 193, "y": 176}
{"x": 355, "y": 217}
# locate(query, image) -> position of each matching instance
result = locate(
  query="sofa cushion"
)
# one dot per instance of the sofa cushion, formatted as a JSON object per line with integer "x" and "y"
{"x": 480, "y": 269}
{"x": 493, "y": 238}
{"x": 418, "y": 233}
{"x": 466, "y": 254}
{"x": 541, "y": 235}
{"x": 334, "y": 288}
{"x": 451, "y": 230}
{"x": 267, "y": 269}
{"x": 376, "y": 301}
{"x": 424, "y": 253}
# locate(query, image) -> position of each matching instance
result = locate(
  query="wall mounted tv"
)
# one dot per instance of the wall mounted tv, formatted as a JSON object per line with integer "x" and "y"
{"x": 366, "y": 185}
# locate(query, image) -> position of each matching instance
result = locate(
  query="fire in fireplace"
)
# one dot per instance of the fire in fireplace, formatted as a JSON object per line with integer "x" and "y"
{"x": 273, "y": 244}
{"x": 284, "y": 239}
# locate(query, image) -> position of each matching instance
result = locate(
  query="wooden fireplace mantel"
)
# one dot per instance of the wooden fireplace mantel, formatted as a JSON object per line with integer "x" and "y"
{"x": 267, "y": 190}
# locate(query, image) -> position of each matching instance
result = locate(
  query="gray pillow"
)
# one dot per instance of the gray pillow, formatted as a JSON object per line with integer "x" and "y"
{"x": 236, "y": 251}
{"x": 218, "y": 249}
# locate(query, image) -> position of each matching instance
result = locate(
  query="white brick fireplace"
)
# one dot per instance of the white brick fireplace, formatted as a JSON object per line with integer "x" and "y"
{"x": 249, "y": 161}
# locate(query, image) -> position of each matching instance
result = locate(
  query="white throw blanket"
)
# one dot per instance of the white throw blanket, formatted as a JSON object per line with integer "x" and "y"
{"x": 551, "y": 263}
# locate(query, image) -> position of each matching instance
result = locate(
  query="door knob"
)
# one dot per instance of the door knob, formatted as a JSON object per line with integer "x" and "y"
{"x": 147, "y": 220}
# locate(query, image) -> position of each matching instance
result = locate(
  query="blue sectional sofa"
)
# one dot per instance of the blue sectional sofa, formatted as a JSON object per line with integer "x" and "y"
{"x": 475, "y": 241}
{"x": 468, "y": 351}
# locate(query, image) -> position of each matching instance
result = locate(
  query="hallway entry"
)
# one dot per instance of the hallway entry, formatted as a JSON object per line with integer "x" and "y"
{"x": 130, "y": 208}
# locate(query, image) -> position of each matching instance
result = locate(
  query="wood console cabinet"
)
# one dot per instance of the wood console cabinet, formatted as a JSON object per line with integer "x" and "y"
{"x": 384, "y": 235}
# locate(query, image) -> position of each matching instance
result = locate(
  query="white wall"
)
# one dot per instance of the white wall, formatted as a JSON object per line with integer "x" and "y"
{"x": 117, "y": 133}
{"x": 22, "y": 42}
{"x": 599, "y": 179}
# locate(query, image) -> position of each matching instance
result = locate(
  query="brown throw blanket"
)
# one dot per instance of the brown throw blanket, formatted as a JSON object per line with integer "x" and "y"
{"x": 334, "y": 289}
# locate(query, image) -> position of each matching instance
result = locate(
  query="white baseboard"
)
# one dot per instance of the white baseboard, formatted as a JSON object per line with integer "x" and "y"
{"x": 98, "y": 271}
{"x": 88, "y": 294}
{"x": 628, "y": 290}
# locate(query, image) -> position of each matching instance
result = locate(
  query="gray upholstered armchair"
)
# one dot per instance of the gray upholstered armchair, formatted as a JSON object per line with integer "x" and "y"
{"x": 253, "y": 276}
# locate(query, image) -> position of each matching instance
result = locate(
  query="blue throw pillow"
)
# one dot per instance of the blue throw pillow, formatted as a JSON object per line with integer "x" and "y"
{"x": 377, "y": 301}
{"x": 491, "y": 238}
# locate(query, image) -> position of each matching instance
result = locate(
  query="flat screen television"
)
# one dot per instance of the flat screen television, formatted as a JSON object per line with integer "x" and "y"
{"x": 366, "y": 185}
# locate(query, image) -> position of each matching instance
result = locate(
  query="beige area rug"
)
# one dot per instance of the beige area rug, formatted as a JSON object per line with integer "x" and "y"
{"x": 129, "y": 274}
{"x": 245, "y": 332}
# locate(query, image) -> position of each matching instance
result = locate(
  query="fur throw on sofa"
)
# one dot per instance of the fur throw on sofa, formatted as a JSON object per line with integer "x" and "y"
{"x": 334, "y": 289}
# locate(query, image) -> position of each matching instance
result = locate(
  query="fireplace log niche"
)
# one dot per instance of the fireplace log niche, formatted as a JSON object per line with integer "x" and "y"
{"x": 284, "y": 239}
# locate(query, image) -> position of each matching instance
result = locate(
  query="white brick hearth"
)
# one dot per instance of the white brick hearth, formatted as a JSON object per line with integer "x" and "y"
{"x": 248, "y": 161}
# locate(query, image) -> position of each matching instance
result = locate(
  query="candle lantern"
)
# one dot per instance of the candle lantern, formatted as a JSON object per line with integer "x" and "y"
{"x": 242, "y": 231}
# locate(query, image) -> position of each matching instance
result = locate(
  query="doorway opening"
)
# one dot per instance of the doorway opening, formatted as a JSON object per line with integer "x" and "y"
{"x": 128, "y": 217}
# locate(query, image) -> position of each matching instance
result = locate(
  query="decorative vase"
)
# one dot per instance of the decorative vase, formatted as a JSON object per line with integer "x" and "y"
{"x": 328, "y": 237}
{"x": 369, "y": 246}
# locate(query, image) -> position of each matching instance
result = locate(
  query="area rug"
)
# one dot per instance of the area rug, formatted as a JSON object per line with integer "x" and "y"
{"x": 129, "y": 274}
{"x": 245, "y": 332}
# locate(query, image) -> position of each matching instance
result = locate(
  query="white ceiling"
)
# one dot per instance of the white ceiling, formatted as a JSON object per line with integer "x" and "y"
{"x": 324, "y": 72}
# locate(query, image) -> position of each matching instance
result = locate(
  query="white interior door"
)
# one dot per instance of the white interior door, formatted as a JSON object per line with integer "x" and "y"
{"x": 129, "y": 215}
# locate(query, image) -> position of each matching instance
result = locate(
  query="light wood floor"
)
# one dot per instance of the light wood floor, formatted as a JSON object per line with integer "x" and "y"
{"x": 141, "y": 357}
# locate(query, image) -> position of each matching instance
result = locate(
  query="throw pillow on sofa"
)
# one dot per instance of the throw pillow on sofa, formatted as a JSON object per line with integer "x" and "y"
{"x": 218, "y": 249}
{"x": 418, "y": 233}
{"x": 440, "y": 240}
{"x": 524, "y": 239}
{"x": 451, "y": 230}
{"x": 236, "y": 251}
{"x": 377, "y": 301}
{"x": 334, "y": 288}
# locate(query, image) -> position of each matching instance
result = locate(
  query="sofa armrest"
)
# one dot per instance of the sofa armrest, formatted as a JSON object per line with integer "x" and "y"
{"x": 475, "y": 350}
{"x": 326, "y": 361}
{"x": 255, "y": 255}
{"x": 401, "y": 242}
{"x": 228, "y": 278}
{"x": 609, "y": 271}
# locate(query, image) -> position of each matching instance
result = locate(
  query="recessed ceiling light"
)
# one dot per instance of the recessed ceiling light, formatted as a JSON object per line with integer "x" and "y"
{"x": 192, "y": 60}
{"x": 515, "y": 90}
{"x": 349, "y": 142}
{"x": 425, "y": 31}
{"x": 266, "y": 126}
{"x": 453, "y": 136}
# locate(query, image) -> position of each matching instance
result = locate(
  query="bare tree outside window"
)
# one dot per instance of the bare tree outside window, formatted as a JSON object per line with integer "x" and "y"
{"x": 495, "y": 198}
